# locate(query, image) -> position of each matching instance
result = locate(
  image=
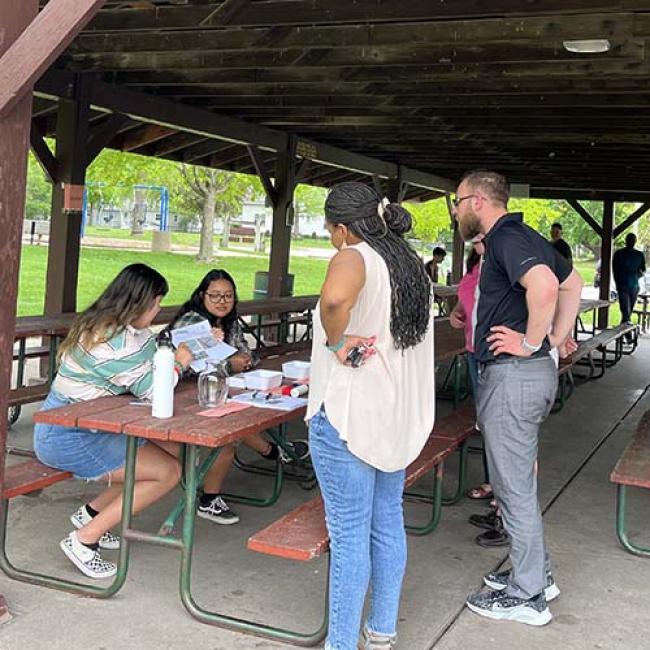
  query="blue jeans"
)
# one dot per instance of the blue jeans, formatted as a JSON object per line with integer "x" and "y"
{"x": 365, "y": 521}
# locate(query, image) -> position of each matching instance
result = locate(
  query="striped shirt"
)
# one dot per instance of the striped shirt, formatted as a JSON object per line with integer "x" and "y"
{"x": 123, "y": 364}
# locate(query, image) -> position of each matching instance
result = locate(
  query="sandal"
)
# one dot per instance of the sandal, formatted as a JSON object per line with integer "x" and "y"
{"x": 483, "y": 491}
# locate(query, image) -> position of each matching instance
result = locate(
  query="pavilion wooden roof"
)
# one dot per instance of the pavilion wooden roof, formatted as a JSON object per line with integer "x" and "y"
{"x": 435, "y": 86}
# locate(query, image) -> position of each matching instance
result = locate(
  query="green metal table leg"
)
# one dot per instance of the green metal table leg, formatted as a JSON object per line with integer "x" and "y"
{"x": 621, "y": 530}
{"x": 169, "y": 523}
{"x": 462, "y": 474}
{"x": 52, "y": 582}
{"x": 261, "y": 502}
{"x": 213, "y": 618}
{"x": 436, "y": 509}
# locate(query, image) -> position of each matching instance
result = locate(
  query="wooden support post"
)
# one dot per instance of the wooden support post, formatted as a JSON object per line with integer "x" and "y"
{"x": 457, "y": 256}
{"x": 65, "y": 224}
{"x": 606, "y": 259}
{"x": 14, "y": 135}
{"x": 285, "y": 183}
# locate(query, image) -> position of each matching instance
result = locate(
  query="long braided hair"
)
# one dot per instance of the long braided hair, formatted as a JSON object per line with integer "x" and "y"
{"x": 382, "y": 226}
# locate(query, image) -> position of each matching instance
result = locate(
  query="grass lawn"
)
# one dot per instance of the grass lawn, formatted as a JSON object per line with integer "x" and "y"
{"x": 192, "y": 238}
{"x": 98, "y": 266}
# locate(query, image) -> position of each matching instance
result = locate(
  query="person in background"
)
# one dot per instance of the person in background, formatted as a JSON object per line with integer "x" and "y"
{"x": 368, "y": 423}
{"x": 628, "y": 267}
{"x": 109, "y": 351}
{"x": 559, "y": 244}
{"x": 528, "y": 301}
{"x": 437, "y": 256}
{"x": 215, "y": 300}
{"x": 462, "y": 317}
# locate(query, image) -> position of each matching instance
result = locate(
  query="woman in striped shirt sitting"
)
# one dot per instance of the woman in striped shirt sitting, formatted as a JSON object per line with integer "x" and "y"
{"x": 109, "y": 351}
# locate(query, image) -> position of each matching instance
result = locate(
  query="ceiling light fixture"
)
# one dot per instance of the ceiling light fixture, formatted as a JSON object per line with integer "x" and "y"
{"x": 590, "y": 46}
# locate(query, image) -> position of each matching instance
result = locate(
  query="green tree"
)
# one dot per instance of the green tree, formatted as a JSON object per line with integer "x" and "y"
{"x": 38, "y": 199}
{"x": 213, "y": 192}
{"x": 308, "y": 201}
{"x": 431, "y": 220}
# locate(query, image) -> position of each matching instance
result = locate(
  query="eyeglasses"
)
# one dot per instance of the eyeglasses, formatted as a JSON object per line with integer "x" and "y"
{"x": 459, "y": 199}
{"x": 220, "y": 297}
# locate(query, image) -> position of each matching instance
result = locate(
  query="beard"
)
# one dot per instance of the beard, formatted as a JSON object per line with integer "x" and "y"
{"x": 469, "y": 227}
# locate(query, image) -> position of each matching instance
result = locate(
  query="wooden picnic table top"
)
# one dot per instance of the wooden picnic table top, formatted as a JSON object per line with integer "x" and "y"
{"x": 117, "y": 414}
{"x": 444, "y": 291}
{"x": 588, "y": 304}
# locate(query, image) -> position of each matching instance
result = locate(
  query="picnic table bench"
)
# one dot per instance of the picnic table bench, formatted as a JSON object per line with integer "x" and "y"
{"x": 632, "y": 470}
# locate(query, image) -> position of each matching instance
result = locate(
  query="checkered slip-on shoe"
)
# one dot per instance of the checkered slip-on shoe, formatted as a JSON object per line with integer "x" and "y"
{"x": 108, "y": 540}
{"x": 88, "y": 561}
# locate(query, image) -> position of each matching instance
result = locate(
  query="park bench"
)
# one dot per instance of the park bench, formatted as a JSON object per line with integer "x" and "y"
{"x": 302, "y": 535}
{"x": 584, "y": 357}
{"x": 27, "y": 477}
{"x": 632, "y": 470}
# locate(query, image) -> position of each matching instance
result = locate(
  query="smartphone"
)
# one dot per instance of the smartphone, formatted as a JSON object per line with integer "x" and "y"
{"x": 357, "y": 355}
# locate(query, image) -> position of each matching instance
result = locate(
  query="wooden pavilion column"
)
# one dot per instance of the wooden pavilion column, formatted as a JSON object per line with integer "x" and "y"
{"x": 14, "y": 135}
{"x": 65, "y": 224}
{"x": 606, "y": 259}
{"x": 280, "y": 193}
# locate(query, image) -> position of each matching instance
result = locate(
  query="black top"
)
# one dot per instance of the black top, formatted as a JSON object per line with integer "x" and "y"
{"x": 511, "y": 249}
{"x": 628, "y": 266}
{"x": 431, "y": 271}
{"x": 563, "y": 249}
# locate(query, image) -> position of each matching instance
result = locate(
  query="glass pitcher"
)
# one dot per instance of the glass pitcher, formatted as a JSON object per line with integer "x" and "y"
{"x": 213, "y": 386}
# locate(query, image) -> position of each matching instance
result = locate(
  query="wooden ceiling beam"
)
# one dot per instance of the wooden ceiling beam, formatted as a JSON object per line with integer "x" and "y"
{"x": 442, "y": 32}
{"x": 340, "y": 12}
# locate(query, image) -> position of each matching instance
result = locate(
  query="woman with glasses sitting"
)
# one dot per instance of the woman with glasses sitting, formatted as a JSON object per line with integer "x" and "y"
{"x": 215, "y": 300}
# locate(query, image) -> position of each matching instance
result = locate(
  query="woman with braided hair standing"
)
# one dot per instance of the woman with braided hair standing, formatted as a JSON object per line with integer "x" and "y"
{"x": 367, "y": 423}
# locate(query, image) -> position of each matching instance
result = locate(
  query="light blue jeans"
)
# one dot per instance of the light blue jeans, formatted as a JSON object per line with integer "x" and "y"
{"x": 365, "y": 521}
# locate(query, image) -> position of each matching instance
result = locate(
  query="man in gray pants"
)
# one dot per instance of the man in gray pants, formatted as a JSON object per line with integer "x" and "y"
{"x": 527, "y": 304}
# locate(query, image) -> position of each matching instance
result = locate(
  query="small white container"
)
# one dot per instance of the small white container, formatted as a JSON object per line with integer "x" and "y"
{"x": 237, "y": 381}
{"x": 296, "y": 369}
{"x": 263, "y": 379}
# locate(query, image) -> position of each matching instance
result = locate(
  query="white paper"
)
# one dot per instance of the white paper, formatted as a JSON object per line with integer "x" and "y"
{"x": 204, "y": 346}
{"x": 278, "y": 402}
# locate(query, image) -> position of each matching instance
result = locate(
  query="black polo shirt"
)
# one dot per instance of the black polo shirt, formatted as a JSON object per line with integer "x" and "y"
{"x": 511, "y": 249}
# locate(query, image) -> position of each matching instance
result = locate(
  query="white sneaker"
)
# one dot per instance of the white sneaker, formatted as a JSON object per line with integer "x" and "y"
{"x": 89, "y": 562}
{"x": 108, "y": 541}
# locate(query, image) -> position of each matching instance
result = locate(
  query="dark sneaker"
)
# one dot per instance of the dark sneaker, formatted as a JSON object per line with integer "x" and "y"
{"x": 218, "y": 511}
{"x": 495, "y": 538}
{"x": 499, "y": 581}
{"x": 501, "y": 606}
{"x": 292, "y": 451}
{"x": 374, "y": 641}
{"x": 487, "y": 521}
{"x": 87, "y": 560}
{"x": 108, "y": 540}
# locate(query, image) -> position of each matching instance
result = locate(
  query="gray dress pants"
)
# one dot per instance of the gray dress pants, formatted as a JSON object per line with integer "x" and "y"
{"x": 515, "y": 397}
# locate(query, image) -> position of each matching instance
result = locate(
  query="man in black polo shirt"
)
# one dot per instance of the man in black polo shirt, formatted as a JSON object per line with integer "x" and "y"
{"x": 528, "y": 302}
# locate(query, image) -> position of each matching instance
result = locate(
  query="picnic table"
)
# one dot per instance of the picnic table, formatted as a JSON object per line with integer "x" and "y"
{"x": 192, "y": 431}
{"x": 589, "y": 305}
{"x": 643, "y": 311}
{"x": 445, "y": 297}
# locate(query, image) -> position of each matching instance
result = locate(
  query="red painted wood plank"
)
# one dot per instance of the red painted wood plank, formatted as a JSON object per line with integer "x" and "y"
{"x": 39, "y": 46}
{"x": 633, "y": 467}
{"x": 30, "y": 476}
{"x": 457, "y": 425}
{"x": 299, "y": 535}
{"x": 69, "y": 414}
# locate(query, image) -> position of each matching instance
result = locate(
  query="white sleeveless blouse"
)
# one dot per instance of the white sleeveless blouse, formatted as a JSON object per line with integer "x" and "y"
{"x": 384, "y": 409}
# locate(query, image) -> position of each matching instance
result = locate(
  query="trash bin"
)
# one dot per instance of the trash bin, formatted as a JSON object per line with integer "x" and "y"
{"x": 261, "y": 287}
{"x": 260, "y": 291}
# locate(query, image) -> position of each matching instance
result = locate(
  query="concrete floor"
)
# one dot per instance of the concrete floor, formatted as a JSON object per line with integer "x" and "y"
{"x": 604, "y": 589}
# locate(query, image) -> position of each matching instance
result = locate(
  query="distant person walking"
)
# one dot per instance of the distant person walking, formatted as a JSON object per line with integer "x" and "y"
{"x": 628, "y": 266}
{"x": 559, "y": 244}
{"x": 526, "y": 291}
{"x": 367, "y": 423}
